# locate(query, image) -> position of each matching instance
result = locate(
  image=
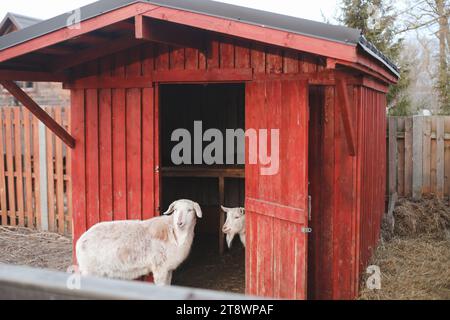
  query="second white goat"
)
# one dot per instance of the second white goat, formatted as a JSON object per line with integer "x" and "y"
{"x": 234, "y": 224}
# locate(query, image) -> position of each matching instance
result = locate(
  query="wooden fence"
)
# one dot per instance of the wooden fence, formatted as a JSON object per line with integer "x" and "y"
{"x": 419, "y": 156}
{"x": 35, "y": 188}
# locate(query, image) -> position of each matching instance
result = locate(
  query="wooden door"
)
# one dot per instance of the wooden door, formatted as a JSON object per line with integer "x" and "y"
{"x": 277, "y": 205}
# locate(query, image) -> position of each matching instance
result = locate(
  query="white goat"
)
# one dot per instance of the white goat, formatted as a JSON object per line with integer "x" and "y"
{"x": 131, "y": 249}
{"x": 234, "y": 224}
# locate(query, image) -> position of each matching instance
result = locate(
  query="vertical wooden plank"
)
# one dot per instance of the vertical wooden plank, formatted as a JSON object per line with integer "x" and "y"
{"x": 69, "y": 189}
{"x": 105, "y": 146}
{"x": 393, "y": 148}
{"x": 149, "y": 136}
{"x": 162, "y": 59}
{"x": 408, "y": 156}
{"x": 447, "y": 157}
{"x": 177, "y": 58}
{"x": 227, "y": 53}
{"x": 19, "y": 170}
{"x": 426, "y": 157}
{"x": 213, "y": 52}
{"x": 265, "y": 258}
{"x": 133, "y": 142}
{"x": 401, "y": 158}
{"x": 417, "y": 157}
{"x": 78, "y": 118}
{"x": 50, "y": 175}
{"x": 221, "y": 192}
{"x": 10, "y": 167}
{"x": 59, "y": 166}
{"x": 291, "y": 64}
{"x": 242, "y": 52}
{"x": 157, "y": 152}
{"x": 92, "y": 158}
{"x": 258, "y": 58}
{"x": 37, "y": 173}
{"x": 433, "y": 177}
{"x": 3, "y": 201}
{"x": 440, "y": 157}
{"x": 191, "y": 59}
{"x": 119, "y": 117}
{"x": 274, "y": 60}
{"x": 27, "y": 169}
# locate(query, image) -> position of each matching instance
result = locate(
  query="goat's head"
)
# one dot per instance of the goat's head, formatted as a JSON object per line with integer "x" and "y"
{"x": 234, "y": 224}
{"x": 185, "y": 213}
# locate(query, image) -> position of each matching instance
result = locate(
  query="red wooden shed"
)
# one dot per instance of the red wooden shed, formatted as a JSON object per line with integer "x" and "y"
{"x": 138, "y": 69}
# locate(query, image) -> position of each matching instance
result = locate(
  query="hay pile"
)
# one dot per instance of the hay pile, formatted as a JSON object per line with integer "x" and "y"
{"x": 21, "y": 246}
{"x": 415, "y": 259}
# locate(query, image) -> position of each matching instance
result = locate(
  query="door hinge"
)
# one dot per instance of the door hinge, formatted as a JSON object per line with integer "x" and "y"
{"x": 309, "y": 208}
{"x": 306, "y": 230}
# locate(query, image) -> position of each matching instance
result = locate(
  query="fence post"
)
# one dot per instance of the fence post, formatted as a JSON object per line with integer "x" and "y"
{"x": 393, "y": 155}
{"x": 43, "y": 176}
{"x": 417, "y": 157}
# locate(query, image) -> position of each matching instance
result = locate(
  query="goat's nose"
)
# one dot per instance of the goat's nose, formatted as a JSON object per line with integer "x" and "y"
{"x": 225, "y": 229}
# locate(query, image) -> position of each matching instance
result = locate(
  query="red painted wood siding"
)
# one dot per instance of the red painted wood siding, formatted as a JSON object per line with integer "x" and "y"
{"x": 117, "y": 132}
{"x": 115, "y": 158}
{"x": 347, "y": 192}
{"x": 276, "y": 205}
{"x": 372, "y": 126}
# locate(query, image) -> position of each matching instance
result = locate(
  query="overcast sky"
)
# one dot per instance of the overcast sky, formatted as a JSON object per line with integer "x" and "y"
{"x": 45, "y": 9}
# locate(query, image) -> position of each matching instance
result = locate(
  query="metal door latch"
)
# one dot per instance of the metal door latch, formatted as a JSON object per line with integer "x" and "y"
{"x": 306, "y": 230}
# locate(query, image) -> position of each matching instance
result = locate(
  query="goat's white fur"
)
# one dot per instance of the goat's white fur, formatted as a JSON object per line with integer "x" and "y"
{"x": 131, "y": 249}
{"x": 234, "y": 224}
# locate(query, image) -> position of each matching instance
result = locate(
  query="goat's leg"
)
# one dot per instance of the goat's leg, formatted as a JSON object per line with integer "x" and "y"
{"x": 161, "y": 278}
{"x": 169, "y": 278}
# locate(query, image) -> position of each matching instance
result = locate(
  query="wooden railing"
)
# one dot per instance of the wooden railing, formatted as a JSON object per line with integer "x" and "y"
{"x": 37, "y": 284}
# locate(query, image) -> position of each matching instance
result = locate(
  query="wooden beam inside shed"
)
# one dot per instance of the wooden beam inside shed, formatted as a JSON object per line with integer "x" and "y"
{"x": 35, "y": 109}
{"x": 343, "y": 101}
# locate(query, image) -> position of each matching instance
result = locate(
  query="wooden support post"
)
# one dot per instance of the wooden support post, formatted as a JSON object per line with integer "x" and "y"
{"x": 344, "y": 105}
{"x": 35, "y": 109}
{"x": 43, "y": 177}
{"x": 221, "y": 214}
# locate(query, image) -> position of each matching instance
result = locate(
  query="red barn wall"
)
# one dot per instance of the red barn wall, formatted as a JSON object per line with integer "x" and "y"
{"x": 116, "y": 154}
{"x": 114, "y": 128}
{"x": 347, "y": 192}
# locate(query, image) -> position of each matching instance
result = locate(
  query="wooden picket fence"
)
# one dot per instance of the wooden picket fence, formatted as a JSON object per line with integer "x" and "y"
{"x": 35, "y": 185}
{"x": 419, "y": 156}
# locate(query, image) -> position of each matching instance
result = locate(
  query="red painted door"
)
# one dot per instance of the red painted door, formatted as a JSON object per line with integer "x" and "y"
{"x": 277, "y": 204}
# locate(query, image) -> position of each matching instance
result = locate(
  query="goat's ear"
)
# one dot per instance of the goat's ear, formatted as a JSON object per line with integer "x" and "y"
{"x": 198, "y": 210}
{"x": 225, "y": 209}
{"x": 171, "y": 209}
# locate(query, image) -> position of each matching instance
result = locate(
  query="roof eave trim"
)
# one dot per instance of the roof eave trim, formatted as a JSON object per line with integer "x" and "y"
{"x": 376, "y": 56}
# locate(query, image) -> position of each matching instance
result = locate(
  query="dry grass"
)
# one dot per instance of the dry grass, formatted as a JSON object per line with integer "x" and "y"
{"x": 415, "y": 261}
{"x": 21, "y": 246}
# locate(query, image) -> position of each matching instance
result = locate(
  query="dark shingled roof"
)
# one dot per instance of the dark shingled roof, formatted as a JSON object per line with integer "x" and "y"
{"x": 19, "y": 20}
{"x": 212, "y": 8}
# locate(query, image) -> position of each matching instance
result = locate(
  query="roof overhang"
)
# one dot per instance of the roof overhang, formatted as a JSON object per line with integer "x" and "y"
{"x": 342, "y": 45}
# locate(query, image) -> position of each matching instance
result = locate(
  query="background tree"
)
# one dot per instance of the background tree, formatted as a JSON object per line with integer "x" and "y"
{"x": 433, "y": 16}
{"x": 377, "y": 19}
